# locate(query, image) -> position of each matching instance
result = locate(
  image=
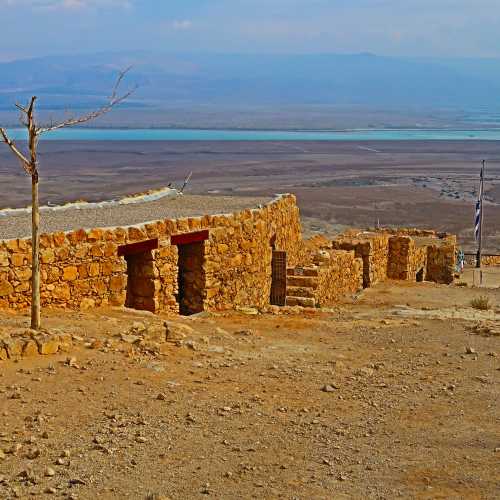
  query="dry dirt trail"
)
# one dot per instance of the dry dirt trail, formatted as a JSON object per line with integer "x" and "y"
{"x": 386, "y": 397}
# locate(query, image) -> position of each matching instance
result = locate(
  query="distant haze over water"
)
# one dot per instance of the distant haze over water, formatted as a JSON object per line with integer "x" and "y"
{"x": 90, "y": 134}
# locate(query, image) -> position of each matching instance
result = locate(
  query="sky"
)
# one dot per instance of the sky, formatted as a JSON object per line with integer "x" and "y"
{"x": 441, "y": 28}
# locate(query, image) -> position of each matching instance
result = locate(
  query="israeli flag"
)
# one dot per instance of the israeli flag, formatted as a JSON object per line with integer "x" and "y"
{"x": 477, "y": 222}
{"x": 479, "y": 208}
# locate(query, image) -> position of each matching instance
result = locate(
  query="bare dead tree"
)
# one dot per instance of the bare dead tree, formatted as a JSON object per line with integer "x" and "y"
{"x": 29, "y": 162}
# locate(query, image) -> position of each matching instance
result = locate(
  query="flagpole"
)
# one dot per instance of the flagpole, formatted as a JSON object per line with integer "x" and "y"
{"x": 480, "y": 242}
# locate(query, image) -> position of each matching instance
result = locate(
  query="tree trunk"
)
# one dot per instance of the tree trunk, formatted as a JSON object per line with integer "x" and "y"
{"x": 35, "y": 247}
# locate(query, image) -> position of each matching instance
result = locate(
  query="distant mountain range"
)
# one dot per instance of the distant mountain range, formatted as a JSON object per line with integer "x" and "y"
{"x": 191, "y": 80}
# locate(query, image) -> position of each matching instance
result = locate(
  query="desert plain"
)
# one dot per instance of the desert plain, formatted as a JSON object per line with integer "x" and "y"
{"x": 427, "y": 184}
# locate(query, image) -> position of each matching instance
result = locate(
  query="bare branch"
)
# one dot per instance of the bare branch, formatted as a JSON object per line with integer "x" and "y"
{"x": 24, "y": 161}
{"x": 114, "y": 100}
{"x": 21, "y": 108}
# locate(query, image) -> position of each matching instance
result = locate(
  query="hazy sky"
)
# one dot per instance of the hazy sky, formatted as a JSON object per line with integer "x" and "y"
{"x": 390, "y": 27}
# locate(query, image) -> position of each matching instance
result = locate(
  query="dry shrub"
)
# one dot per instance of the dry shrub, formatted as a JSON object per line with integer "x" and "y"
{"x": 482, "y": 303}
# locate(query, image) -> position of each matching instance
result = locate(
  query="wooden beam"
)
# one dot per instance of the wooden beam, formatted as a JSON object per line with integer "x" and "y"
{"x": 187, "y": 238}
{"x": 139, "y": 247}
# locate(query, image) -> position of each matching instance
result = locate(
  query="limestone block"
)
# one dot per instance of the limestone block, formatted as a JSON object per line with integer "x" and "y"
{"x": 4, "y": 259}
{"x": 76, "y": 237}
{"x": 3, "y": 353}
{"x": 30, "y": 348}
{"x": 14, "y": 346}
{"x": 45, "y": 240}
{"x": 17, "y": 259}
{"x": 48, "y": 345}
{"x": 87, "y": 304}
{"x": 118, "y": 283}
{"x": 110, "y": 249}
{"x": 12, "y": 245}
{"x": 23, "y": 287}
{"x": 93, "y": 269}
{"x": 70, "y": 273}
{"x": 47, "y": 256}
{"x": 117, "y": 299}
{"x": 62, "y": 253}
{"x": 96, "y": 250}
{"x": 136, "y": 234}
{"x": 23, "y": 274}
{"x": 5, "y": 288}
{"x": 95, "y": 235}
{"x": 61, "y": 292}
{"x": 59, "y": 239}
{"x": 107, "y": 268}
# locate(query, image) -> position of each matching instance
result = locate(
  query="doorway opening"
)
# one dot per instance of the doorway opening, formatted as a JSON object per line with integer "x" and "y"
{"x": 141, "y": 276}
{"x": 191, "y": 278}
{"x": 191, "y": 281}
{"x": 420, "y": 275}
{"x": 278, "y": 278}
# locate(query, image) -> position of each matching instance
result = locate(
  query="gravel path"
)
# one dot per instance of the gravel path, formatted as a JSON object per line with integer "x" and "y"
{"x": 19, "y": 226}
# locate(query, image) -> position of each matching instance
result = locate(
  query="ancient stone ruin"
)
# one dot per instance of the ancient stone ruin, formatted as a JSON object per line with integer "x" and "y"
{"x": 254, "y": 257}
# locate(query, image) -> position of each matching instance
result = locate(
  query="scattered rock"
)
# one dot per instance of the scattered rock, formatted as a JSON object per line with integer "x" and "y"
{"x": 251, "y": 311}
{"x": 329, "y": 388}
{"x": 49, "y": 472}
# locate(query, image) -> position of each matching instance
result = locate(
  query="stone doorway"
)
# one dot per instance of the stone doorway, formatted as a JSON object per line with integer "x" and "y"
{"x": 191, "y": 274}
{"x": 141, "y": 275}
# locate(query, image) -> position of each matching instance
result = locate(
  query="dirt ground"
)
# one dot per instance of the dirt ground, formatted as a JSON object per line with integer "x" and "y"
{"x": 393, "y": 395}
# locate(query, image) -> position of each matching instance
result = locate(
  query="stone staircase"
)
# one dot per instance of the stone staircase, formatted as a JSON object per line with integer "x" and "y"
{"x": 300, "y": 285}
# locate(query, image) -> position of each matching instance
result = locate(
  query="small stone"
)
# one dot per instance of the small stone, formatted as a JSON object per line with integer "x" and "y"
{"x": 49, "y": 472}
{"x": 141, "y": 439}
{"x": 14, "y": 449}
{"x": 470, "y": 350}
{"x": 191, "y": 344}
{"x": 131, "y": 339}
{"x": 329, "y": 388}
{"x": 33, "y": 453}
{"x": 50, "y": 490}
{"x": 71, "y": 361}
{"x": 161, "y": 397}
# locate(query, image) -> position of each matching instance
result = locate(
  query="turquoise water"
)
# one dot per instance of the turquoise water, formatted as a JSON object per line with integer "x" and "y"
{"x": 87, "y": 134}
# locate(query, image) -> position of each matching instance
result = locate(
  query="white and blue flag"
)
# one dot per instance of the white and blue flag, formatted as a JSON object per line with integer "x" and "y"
{"x": 479, "y": 208}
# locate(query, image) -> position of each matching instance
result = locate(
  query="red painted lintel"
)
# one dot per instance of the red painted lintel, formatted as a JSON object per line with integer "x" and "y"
{"x": 186, "y": 238}
{"x": 139, "y": 247}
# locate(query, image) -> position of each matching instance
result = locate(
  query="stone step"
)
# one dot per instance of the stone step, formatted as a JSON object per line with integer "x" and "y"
{"x": 300, "y": 301}
{"x": 300, "y": 291}
{"x": 302, "y": 271}
{"x": 302, "y": 281}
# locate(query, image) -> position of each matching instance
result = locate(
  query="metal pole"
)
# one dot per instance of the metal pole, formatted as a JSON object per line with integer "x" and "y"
{"x": 480, "y": 244}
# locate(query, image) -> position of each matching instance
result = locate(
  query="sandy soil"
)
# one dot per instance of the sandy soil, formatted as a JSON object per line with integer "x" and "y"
{"x": 424, "y": 184}
{"x": 240, "y": 408}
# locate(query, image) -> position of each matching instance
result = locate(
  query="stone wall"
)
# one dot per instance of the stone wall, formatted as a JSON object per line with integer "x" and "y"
{"x": 373, "y": 249}
{"x": 82, "y": 269}
{"x": 490, "y": 260}
{"x": 406, "y": 259}
{"x": 401, "y": 254}
{"x": 342, "y": 276}
{"x": 441, "y": 262}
